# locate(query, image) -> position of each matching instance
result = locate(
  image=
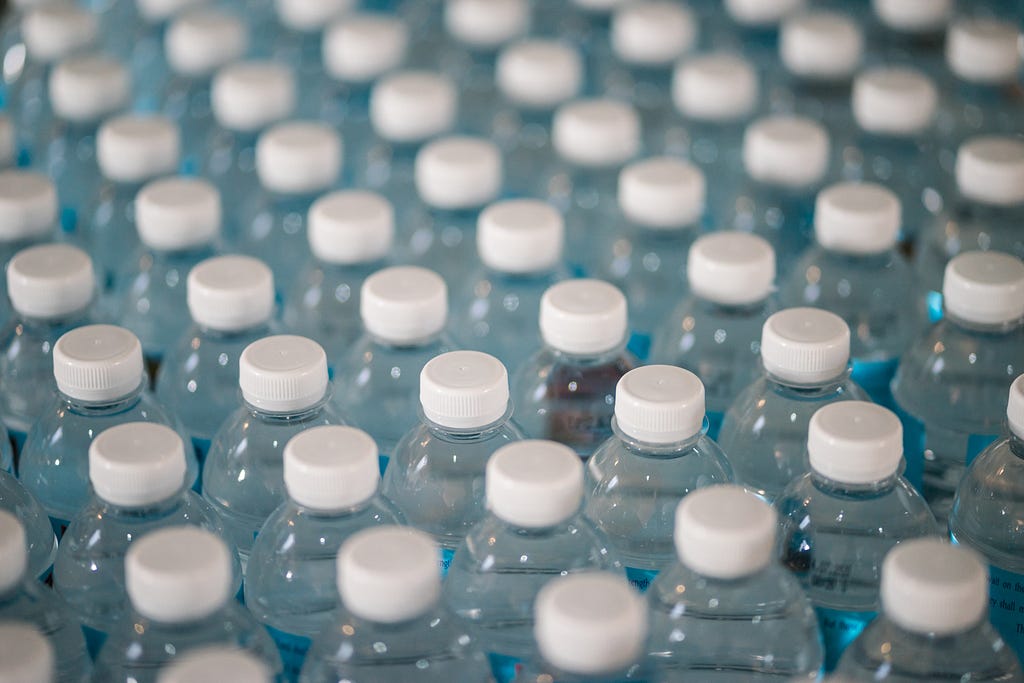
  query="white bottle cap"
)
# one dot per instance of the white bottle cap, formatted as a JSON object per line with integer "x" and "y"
{"x": 984, "y": 287}
{"x": 52, "y": 32}
{"x": 331, "y": 468}
{"x": 177, "y": 213}
{"x": 534, "y": 484}
{"x": 520, "y": 236}
{"x": 894, "y": 101}
{"x": 200, "y": 42}
{"x": 137, "y": 464}
{"x": 662, "y": 193}
{"x": 7, "y": 141}
{"x": 404, "y": 304}
{"x": 857, "y": 218}
{"x": 855, "y": 442}
{"x": 388, "y": 574}
{"x": 86, "y": 89}
{"x": 178, "y": 574}
{"x": 412, "y": 106}
{"x": 216, "y": 664}
{"x": 230, "y": 293}
{"x": 724, "y": 532}
{"x": 821, "y": 45}
{"x": 283, "y": 373}
{"x": 761, "y": 12}
{"x": 157, "y": 11}
{"x": 983, "y": 50}
{"x": 28, "y": 206}
{"x": 990, "y": 170}
{"x": 13, "y": 551}
{"x": 790, "y": 151}
{"x": 539, "y": 74}
{"x": 1015, "y": 407}
{"x": 50, "y": 281}
{"x": 932, "y": 587}
{"x": 361, "y": 47}
{"x": 805, "y": 345}
{"x": 458, "y": 172}
{"x": 652, "y": 33}
{"x": 590, "y": 623}
{"x": 464, "y": 389}
{"x": 250, "y": 96}
{"x": 731, "y": 268}
{"x": 659, "y": 404}
{"x": 596, "y": 133}
{"x": 914, "y": 16}
{"x": 351, "y": 226}
{"x": 583, "y": 316}
{"x": 298, "y": 157}
{"x": 486, "y": 24}
{"x": 716, "y": 87}
{"x": 26, "y": 656}
{"x": 98, "y": 363}
{"x": 133, "y": 148}
{"x": 310, "y": 15}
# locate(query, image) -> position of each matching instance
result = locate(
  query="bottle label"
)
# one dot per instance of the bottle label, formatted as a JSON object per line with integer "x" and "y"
{"x": 446, "y": 561}
{"x": 504, "y": 667}
{"x": 839, "y": 628}
{"x": 1006, "y": 607}
{"x": 94, "y": 639}
{"x": 293, "y": 651}
{"x": 874, "y": 377}
{"x": 641, "y": 578}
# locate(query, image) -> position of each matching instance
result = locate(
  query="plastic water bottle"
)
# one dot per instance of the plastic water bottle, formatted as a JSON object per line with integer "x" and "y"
{"x": 983, "y": 213}
{"x": 852, "y": 270}
{"x": 231, "y": 302}
{"x": 839, "y": 520}
{"x": 436, "y": 472}
{"x": 909, "y": 32}
{"x": 661, "y": 203}
{"x": 391, "y": 627}
{"x": 805, "y": 353}
{"x": 565, "y": 391}
{"x": 26, "y": 655}
{"x": 404, "y": 310}
{"x": 39, "y": 536}
{"x": 589, "y": 627}
{"x": 715, "y": 331}
{"x": 285, "y": 390}
{"x": 753, "y": 27}
{"x": 178, "y": 222}
{"x": 726, "y": 606}
{"x": 934, "y": 621}
{"x": 101, "y": 382}
{"x": 24, "y": 599}
{"x": 519, "y": 248}
{"x": 951, "y": 383}
{"x": 658, "y": 455}
{"x": 533, "y": 531}
{"x": 28, "y": 205}
{"x": 180, "y": 585}
{"x": 986, "y": 504}
{"x": 332, "y": 478}
{"x": 216, "y": 664}
{"x": 296, "y": 161}
{"x": 137, "y": 472}
{"x": 350, "y": 233}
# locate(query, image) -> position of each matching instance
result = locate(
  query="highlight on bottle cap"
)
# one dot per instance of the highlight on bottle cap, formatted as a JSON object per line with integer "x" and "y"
{"x": 520, "y": 236}
{"x": 805, "y": 346}
{"x": 458, "y": 172}
{"x": 539, "y": 74}
{"x": 413, "y": 106}
{"x": 534, "y": 484}
{"x": 788, "y": 151}
{"x": 404, "y": 304}
{"x": 855, "y": 442}
{"x": 896, "y": 101}
{"x": 583, "y": 316}
{"x": 283, "y": 373}
{"x": 652, "y": 33}
{"x": 719, "y": 87}
{"x": 731, "y": 268}
{"x": 178, "y": 213}
{"x": 135, "y": 148}
{"x": 13, "y": 551}
{"x": 50, "y": 281}
{"x": 137, "y": 464}
{"x": 857, "y": 218}
{"x": 486, "y": 24}
{"x": 659, "y": 404}
{"x": 97, "y": 363}
{"x": 331, "y": 468}
{"x": 821, "y": 45}
{"x": 662, "y": 193}
{"x": 216, "y": 664}
{"x": 87, "y": 88}
{"x": 251, "y": 95}
{"x": 464, "y": 389}
{"x": 596, "y": 133}
{"x": 310, "y": 16}
{"x": 351, "y": 226}
{"x": 984, "y": 287}
{"x": 359, "y": 48}
{"x": 990, "y": 170}
{"x": 761, "y": 12}
{"x": 299, "y": 157}
{"x": 199, "y": 42}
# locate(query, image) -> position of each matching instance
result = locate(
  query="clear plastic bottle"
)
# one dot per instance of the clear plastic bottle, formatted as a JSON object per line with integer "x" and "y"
{"x": 853, "y": 270}
{"x": 658, "y": 455}
{"x": 753, "y": 27}
{"x": 180, "y": 586}
{"x": 28, "y": 206}
{"x": 987, "y": 505}
{"x": 178, "y": 221}
{"x": 839, "y": 520}
{"x": 901, "y": 32}
{"x": 391, "y": 627}
{"x": 231, "y": 301}
{"x": 590, "y": 627}
{"x": 534, "y": 530}
{"x": 726, "y": 610}
{"x": 951, "y": 383}
{"x": 24, "y": 599}
{"x": 42, "y": 543}
{"x": 333, "y": 479}
{"x": 934, "y": 623}
{"x": 404, "y": 310}
{"x": 216, "y": 664}
{"x": 52, "y": 289}
{"x": 565, "y": 392}
{"x": 350, "y": 233}
{"x": 805, "y": 353}
{"x": 436, "y": 472}
{"x": 137, "y": 472}
{"x": 101, "y": 382}
{"x": 139, "y": 41}
{"x": 26, "y": 656}
{"x": 715, "y": 331}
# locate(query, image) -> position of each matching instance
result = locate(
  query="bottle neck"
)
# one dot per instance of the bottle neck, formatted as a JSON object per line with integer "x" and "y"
{"x": 602, "y": 358}
{"x": 114, "y": 405}
{"x": 456, "y": 435}
{"x": 297, "y": 415}
{"x": 840, "y": 488}
{"x": 826, "y": 387}
{"x": 650, "y": 449}
{"x": 158, "y": 508}
{"x": 983, "y": 328}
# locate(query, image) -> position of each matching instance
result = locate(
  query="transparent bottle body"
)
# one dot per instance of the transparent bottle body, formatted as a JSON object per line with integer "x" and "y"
{"x": 524, "y": 137}
{"x": 39, "y": 536}
{"x": 443, "y": 241}
{"x": 539, "y": 671}
{"x": 66, "y": 152}
{"x": 783, "y": 216}
{"x": 717, "y": 149}
{"x": 346, "y": 107}
{"x": 8, "y": 250}
{"x": 229, "y": 162}
{"x": 273, "y": 229}
{"x": 186, "y": 101}
{"x": 110, "y": 237}
{"x": 969, "y": 109}
{"x": 587, "y": 199}
{"x": 31, "y": 601}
